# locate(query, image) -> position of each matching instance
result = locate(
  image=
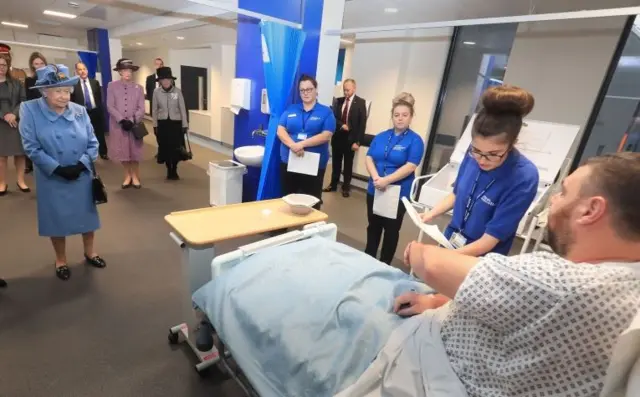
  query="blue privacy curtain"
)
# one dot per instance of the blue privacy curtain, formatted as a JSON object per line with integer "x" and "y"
{"x": 90, "y": 59}
{"x": 281, "y": 49}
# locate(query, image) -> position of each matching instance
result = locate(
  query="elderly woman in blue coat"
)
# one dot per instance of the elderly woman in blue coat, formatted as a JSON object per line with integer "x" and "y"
{"x": 58, "y": 137}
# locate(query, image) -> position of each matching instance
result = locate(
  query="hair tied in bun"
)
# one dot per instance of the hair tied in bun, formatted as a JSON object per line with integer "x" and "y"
{"x": 405, "y": 97}
{"x": 507, "y": 99}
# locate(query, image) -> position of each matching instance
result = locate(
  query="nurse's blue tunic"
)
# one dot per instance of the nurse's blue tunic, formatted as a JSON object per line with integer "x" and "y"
{"x": 493, "y": 202}
{"x": 50, "y": 140}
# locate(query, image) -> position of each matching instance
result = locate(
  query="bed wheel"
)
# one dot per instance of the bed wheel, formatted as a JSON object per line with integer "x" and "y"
{"x": 203, "y": 373}
{"x": 174, "y": 338}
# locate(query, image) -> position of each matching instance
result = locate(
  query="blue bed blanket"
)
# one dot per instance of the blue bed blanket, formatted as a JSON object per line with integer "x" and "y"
{"x": 307, "y": 318}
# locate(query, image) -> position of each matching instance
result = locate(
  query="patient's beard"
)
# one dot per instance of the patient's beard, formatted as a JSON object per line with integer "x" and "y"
{"x": 559, "y": 234}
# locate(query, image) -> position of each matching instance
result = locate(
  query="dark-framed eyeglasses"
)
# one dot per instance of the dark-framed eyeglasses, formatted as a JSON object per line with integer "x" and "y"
{"x": 306, "y": 90}
{"x": 492, "y": 157}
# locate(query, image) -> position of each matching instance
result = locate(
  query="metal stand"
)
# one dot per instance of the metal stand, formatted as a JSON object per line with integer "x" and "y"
{"x": 181, "y": 334}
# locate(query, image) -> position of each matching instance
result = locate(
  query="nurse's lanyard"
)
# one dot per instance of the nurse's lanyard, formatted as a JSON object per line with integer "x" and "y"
{"x": 471, "y": 201}
{"x": 304, "y": 120}
{"x": 387, "y": 150}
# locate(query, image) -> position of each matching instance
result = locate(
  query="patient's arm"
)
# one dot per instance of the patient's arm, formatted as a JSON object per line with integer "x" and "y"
{"x": 442, "y": 269}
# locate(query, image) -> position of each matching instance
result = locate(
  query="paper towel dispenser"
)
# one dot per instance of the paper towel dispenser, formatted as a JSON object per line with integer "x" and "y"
{"x": 240, "y": 95}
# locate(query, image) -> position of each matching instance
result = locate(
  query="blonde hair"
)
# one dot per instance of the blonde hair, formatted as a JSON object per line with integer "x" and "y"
{"x": 403, "y": 99}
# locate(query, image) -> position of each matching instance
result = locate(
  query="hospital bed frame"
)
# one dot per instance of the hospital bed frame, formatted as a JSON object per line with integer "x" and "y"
{"x": 209, "y": 358}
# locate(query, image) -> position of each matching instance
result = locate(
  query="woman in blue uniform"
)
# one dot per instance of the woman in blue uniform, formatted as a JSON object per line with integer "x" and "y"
{"x": 496, "y": 184}
{"x": 305, "y": 127}
{"x": 392, "y": 159}
{"x": 58, "y": 137}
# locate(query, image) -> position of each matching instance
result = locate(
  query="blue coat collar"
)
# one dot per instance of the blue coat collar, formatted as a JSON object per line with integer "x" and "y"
{"x": 69, "y": 113}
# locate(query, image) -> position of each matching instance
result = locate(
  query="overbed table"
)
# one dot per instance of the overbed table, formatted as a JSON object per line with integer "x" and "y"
{"x": 198, "y": 231}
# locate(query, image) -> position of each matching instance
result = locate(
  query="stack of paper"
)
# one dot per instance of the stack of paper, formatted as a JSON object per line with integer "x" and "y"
{"x": 430, "y": 230}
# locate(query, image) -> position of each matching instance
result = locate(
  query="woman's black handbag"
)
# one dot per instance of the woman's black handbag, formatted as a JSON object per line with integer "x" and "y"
{"x": 185, "y": 153}
{"x": 139, "y": 131}
{"x": 97, "y": 187}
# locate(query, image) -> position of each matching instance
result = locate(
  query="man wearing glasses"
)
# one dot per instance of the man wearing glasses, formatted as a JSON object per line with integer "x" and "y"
{"x": 496, "y": 183}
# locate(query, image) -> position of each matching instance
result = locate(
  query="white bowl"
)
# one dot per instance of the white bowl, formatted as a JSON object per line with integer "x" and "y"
{"x": 301, "y": 204}
{"x": 250, "y": 155}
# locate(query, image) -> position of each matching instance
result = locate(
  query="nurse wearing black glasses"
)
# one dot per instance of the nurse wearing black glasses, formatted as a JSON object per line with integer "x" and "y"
{"x": 496, "y": 184}
{"x": 392, "y": 160}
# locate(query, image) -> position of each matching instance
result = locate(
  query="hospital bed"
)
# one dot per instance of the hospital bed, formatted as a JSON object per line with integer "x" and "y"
{"x": 546, "y": 144}
{"x": 263, "y": 352}
{"x": 197, "y": 232}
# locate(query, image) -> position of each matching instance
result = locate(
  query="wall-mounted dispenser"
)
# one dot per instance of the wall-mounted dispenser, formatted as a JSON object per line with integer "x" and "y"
{"x": 240, "y": 95}
{"x": 264, "y": 102}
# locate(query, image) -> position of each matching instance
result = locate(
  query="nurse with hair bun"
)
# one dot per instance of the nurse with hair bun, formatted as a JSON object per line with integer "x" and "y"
{"x": 496, "y": 183}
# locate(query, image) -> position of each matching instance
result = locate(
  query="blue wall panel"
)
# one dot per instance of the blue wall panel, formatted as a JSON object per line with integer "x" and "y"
{"x": 249, "y": 65}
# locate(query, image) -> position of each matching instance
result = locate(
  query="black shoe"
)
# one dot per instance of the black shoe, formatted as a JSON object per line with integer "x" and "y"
{"x": 3, "y": 284}
{"x": 24, "y": 190}
{"x": 5, "y": 191}
{"x": 96, "y": 261}
{"x": 63, "y": 272}
{"x": 28, "y": 170}
{"x": 139, "y": 186}
{"x": 104, "y": 157}
{"x": 346, "y": 193}
{"x": 330, "y": 189}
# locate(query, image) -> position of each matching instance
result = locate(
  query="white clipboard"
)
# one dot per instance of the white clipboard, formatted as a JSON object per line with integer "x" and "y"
{"x": 308, "y": 164}
{"x": 430, "y": 230}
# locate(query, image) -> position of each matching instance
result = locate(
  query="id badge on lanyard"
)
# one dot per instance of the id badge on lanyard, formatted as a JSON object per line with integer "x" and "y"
{"x": 302, "y": 135}
{"x": 458, "y": 240}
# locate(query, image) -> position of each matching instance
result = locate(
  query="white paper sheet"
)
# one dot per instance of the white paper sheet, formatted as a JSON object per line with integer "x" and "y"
{"x": 385, "y": 203}
{"x": 430, "y": 230}
{"x": 307, "y": 164}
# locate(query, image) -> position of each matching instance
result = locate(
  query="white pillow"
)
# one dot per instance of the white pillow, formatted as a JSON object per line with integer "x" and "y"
{"x": 623, "y": 374}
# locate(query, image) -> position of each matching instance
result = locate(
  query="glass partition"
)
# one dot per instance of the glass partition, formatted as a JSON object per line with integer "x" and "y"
{"x": 617, "y": 127}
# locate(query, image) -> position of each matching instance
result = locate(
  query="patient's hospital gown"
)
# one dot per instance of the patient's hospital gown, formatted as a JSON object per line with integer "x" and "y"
{"x": 538, "y": 325}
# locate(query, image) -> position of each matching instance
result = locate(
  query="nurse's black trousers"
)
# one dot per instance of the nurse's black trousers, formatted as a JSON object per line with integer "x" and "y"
{"x": 391, "y": 229}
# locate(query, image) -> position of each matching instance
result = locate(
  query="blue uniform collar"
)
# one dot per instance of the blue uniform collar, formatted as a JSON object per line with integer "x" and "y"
{"x": 53, "y": 116}
{"x": 301, "y": 106}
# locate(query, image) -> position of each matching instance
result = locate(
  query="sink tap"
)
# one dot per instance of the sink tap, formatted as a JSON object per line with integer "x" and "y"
{"x": 259, "y": 132}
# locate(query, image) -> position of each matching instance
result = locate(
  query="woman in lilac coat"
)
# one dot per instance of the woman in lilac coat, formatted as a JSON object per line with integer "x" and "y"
{"x": 125, "y": 102}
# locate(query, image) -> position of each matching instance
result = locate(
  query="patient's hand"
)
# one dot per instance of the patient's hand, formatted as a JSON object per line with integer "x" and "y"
{"x": 411, "y": 303}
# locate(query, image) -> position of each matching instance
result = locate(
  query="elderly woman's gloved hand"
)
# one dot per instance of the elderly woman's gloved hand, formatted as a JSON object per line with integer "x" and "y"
{"x": 70, "y": 172}
{"x": 126, "y": 125}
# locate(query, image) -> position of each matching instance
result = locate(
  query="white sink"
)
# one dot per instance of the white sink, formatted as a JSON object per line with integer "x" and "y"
{"x": 250, "y": 155}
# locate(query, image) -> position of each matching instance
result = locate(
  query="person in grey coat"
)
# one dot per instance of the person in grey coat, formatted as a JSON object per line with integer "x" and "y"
{"x": 169, "y": 121}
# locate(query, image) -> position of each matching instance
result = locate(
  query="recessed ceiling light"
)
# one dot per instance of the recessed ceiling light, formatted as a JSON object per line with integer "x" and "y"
{"x": 180, "y": 38}
{"x": 15, "y": 25}
{"x": 73, "y": 4}
{"x": 391, "y": 10}
{"x": 138, "y": 43}
{"x": 59, "y": 14}
{"x": 469, "y": 42}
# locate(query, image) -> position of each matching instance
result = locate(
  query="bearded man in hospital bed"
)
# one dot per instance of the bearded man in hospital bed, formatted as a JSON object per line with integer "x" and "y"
{"x": 539, "y": 324}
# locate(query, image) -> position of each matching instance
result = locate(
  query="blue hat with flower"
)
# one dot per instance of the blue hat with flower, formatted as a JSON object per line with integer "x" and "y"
{"x": 51, "y": 76}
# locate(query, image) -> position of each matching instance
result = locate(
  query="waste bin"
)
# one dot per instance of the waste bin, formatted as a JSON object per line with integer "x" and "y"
{"x": 225, "y": 182}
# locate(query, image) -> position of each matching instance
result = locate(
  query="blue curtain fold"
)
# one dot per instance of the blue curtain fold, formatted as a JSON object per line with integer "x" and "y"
{"x": 90, "y": 60}
{"x": 282, "y": 46}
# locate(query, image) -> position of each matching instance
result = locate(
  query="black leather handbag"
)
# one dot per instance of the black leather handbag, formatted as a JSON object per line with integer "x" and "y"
{"x": 139, "y": 131}
{"x": 185, "y": 153}
{"x": 98, "y": 188}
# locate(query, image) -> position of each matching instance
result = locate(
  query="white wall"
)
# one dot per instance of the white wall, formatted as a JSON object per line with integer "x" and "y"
{"x": 384, "y": 65}
{"x": 563, "y": 64}
{"x": 145, "y": 59}
{"x": 115, "y": 53}
{"x": 20, "y": 54}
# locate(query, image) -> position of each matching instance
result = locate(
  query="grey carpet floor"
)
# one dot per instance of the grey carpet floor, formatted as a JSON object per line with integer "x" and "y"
{"x": 104, "y": 332}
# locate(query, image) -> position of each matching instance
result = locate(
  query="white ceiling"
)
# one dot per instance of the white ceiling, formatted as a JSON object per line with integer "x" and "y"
{"x": 192, "y": 35}
{"x": 367, "y": 13}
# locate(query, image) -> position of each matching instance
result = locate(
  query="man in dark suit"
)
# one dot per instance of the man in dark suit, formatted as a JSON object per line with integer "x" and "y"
{"x": 151, "y": 85}
{"x": 351, "y": 122}
{"x": 88, "y": 93}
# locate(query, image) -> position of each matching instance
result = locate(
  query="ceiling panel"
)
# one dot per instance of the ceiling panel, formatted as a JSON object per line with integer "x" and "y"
{"x": 368, "y": 13}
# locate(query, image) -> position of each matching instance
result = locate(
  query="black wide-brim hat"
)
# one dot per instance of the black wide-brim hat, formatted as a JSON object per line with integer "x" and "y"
{"x": 164, "y": 73}
{"x": 125, "y": 63}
